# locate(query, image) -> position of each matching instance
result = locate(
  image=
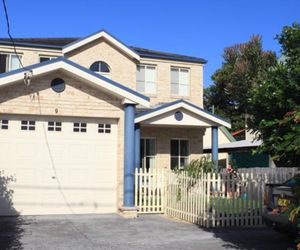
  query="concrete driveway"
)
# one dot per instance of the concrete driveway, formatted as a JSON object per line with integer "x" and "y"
{"x": 114, "y": 232}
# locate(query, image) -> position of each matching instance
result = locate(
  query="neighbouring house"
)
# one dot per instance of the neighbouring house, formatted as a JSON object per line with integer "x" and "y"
{"x": 83, "y": 113}
{"x": 241, "y": 153}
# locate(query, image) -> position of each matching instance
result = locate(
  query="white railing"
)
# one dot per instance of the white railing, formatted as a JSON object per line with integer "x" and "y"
{"x": 212, "y": 200}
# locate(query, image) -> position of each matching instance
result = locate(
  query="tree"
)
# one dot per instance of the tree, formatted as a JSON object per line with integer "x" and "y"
{"x": 275, "y": 103}
{"x": 245, "y": 66}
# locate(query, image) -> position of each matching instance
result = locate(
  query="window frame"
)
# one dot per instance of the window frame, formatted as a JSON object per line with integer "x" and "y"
{"x": 80, "y": 128}
{"x": 55, "y": 127}
{"x": 145, "y": 80}
{"x": 45, "y": 56}
{"x": 105, "y": 74}
{"x": 179, "y": 153}
{"x": 106, "y": 129}
{"x": 188, "y": 81}
{"x": 4, "y": 126}
{"x": 28, "y": 125}
{"x": 8, "y": 62}
{"x": 144, "y": 156}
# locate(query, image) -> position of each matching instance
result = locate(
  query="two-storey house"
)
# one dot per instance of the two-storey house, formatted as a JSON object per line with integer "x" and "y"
{"x": 78, "y": 115}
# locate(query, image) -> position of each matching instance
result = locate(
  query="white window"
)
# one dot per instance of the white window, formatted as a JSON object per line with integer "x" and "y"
{"x": 28, "y": 125}
{"x": 3, "y": 124}
{"x": 46, "y": 58}
{"x": 179, "y": 81}
{"x": 104, "y": 128}
{"x": 101, "y": 67}
{"x": 9, "y": 62}
{"x": 179, "y": 153}
{"x": 79, "y": 127}
{"x": 54, "y": 126}
{"x": 148, "y": 153}
{"x": 146, "y": 79}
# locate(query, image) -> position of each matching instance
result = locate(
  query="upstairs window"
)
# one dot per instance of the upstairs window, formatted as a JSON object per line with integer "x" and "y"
{"x": 179, "y": 81}
{"x": 101, "y": 67}
{"x": 146, "y": 79}
{"x": 9, "y": 62}
{"x": 46, "y": 58}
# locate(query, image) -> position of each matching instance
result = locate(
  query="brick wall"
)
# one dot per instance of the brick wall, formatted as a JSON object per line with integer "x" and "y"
{"x": 163, "y": 136}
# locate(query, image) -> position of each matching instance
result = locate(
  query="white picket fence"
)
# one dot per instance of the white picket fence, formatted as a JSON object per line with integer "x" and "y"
{"x": 149, "y": 190}
{"x": 212, "y": 200}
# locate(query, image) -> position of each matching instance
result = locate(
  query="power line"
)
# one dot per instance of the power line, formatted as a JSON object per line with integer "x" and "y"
{"x": 28, "y": 74}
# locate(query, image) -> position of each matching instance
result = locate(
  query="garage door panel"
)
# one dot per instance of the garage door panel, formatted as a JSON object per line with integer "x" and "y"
{"x": 56, "y": 169}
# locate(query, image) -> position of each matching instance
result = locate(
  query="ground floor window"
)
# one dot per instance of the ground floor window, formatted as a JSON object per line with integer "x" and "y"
{"x": 179, "y": 153}
{"x": 148, "y": 153}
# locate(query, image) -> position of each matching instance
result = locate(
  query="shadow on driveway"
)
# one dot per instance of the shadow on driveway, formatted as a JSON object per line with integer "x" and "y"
{"x": 258, "y": 238}
{"x": 11, "y": 232}
{"x": 157, "y": 232}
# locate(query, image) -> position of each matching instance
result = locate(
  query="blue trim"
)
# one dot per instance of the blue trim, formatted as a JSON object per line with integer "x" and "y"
{"x": 176, "y": 102}
{"x": 214, "y": 146}
{"x": 32, "y": 45}
{"x": 129, "y": 159}
{"x": 121, "y": 86}
{"x": 31, "y": 67}
{"x": 137, "y": 146}
{"x": 99, "y": 31}
{"x": 62, "y": 59}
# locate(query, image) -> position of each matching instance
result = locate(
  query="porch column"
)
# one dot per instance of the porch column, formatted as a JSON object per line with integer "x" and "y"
{"x": 214, "y": 146}
{"x": 137, "y": 146}
{"x": 129, "y": 161}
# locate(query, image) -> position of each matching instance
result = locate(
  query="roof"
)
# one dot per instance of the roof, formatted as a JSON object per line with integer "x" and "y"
{"x": 182, "y": 104}
{"x": 236, "y": 146}
{"x": 59, "y": 43}
{"x": 227, "y": 134}
{"x": 238, "y": 132}
{"x": 100, "y": 34}
{"x": 79, "y": 71}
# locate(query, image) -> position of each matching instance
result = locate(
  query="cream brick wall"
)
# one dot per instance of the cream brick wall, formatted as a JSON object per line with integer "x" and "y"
{"x": 78, "y": 100}
{"x": 30, "y": 55}
{"x": 123, "y": 68}
{"x": 163, "y": 83}
{"x": 163, "y": 135}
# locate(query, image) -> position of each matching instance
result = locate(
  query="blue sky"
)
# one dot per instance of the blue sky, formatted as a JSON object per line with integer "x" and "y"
{"x": 191, "y": 27}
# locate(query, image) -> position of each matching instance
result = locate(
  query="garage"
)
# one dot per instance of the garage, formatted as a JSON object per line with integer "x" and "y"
{"x": 58, "y": 165}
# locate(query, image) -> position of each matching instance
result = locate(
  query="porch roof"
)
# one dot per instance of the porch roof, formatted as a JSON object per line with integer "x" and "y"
{"x": 180, "y": 113}
{"x": 235, "y": 146}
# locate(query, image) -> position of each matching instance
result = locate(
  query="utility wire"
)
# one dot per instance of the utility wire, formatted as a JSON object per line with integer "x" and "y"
{"x": 12, "y": 40}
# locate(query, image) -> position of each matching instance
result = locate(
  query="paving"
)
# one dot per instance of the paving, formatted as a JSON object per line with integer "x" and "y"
{"x": 114, "y": 232}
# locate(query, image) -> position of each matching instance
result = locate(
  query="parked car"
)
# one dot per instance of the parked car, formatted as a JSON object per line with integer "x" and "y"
{"x": 279, "y": 199}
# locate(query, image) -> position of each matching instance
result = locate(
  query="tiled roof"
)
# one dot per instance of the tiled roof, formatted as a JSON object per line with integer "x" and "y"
{"x": 58, "y": 43}
{"x": 44, "y": 41}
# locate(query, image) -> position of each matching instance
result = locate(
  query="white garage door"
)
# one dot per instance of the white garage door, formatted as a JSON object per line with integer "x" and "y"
{"x": 57, "y": 165}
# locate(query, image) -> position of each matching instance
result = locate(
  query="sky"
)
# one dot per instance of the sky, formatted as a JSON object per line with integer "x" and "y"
{"x": 201, "y": 28}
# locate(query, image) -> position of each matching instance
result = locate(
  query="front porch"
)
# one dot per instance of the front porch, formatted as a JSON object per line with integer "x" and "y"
{"x": 166, "y": 137}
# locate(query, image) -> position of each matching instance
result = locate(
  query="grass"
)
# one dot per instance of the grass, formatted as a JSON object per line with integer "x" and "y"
{"x": 240, "y": 205}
